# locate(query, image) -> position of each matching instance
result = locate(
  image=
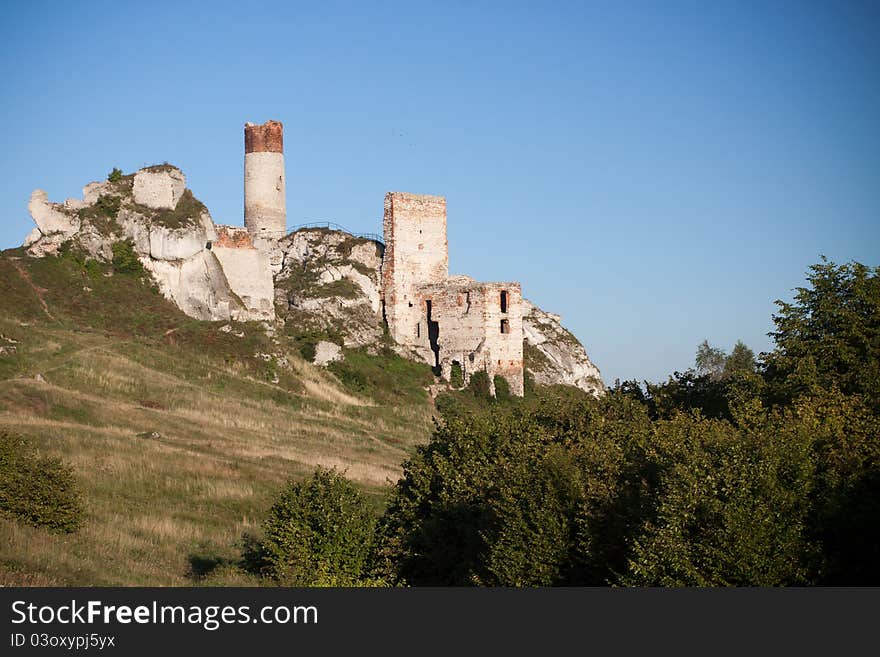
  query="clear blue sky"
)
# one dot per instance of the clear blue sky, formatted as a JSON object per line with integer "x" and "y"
{"x": 656, "y": 172}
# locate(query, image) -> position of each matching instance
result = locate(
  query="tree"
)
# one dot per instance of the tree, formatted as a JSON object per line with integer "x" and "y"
{"x": 732, "y": 506}
{"x": 740, "y": 361}
{"x": 39, "y": 490}
{"x": 710, "y": 360}
{"x": 318, "y": 533}
{"x": 521, "y": 497}
{"x": 125, "y": 258}
{"x": 829, "y": 336}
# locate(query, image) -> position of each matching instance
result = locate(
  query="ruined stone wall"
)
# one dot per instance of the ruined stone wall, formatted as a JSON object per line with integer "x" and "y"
{"x": 469, "y": 329}
{"x": 265, "y": 212}
{"x": 247, "y": 270}
{"x": 159, "y": 188}
{"x": 506, "y": 348}
{"x": 416, "y": 253}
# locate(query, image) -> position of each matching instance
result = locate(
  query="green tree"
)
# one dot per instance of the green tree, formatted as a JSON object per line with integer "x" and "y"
{"x": 125, "y": 259}
{"x": 318, "y": 533}
{"x": 829, "y": 335}
{"x": 521, "y": 496}
{"x": 710, "y": 360}
{"x": 740, "y": 361}
{"x": 732, "y": 507}
{"x": 38, "y": 490}
{"x": 114, "y": 175}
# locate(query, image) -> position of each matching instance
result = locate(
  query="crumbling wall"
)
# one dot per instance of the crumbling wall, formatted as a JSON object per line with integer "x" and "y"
{"x": 265, "y": 212}
{"x": 474, "y": 328}
{"x": 247, "y": 270}
{"x": 416, "y": 253}
{"x": 159, "y": 188}
{"x": 440, "y": 319}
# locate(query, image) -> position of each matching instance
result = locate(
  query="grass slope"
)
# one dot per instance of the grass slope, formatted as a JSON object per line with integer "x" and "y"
{"x": 176, "y": 432}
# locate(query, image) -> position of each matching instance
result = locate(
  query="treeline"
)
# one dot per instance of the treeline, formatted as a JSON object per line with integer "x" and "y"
{"x": 741, "y": 471}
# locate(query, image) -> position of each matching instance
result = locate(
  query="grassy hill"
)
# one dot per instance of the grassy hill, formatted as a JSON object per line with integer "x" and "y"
{"x": 178, "y": 431}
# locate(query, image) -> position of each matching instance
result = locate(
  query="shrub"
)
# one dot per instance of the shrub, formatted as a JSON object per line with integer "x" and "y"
{"x": 386, "y": 377}
{"x": 37, "y": 490}
{"x": 456, "y": 378}
{"x": 318, "y": 533}
{"x": 479, "y": 385}
{"x": 115, "y": 175}
{"x": 502, "y": 388}
{"x": 125, "y": 260}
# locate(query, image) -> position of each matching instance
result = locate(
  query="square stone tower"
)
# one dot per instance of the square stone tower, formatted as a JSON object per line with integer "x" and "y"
{"x": 449, "y": 322}
{"x": 416, "y": 253}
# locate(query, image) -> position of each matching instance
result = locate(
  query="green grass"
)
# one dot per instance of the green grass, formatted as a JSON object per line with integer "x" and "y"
{"x": 103, "y": 363}
{"x": 184, "y": 215}
{"x": 102, "y": 215}
{"x": 340, "y": 288}
{"x": 387, "y": 378}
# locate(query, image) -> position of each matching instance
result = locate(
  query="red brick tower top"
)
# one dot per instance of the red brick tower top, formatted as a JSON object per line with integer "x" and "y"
{"x": 266, "y": 138}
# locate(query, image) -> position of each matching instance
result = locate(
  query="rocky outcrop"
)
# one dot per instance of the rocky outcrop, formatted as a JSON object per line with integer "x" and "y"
{"x": 56, "y": 223}
{"x": 326, "y": 353}
{"x": 198, "y": 286}
{"x": 325, "y": 284}
{"x": 159, "y": 188}
{"x": 169, "y": 228}
{"x": 51, "y": 217}
{"x": 553, "y": 355}
{"x": 329, "y": 284}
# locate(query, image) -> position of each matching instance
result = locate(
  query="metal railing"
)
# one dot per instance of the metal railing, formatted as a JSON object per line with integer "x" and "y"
{"x": 330, "y": 225}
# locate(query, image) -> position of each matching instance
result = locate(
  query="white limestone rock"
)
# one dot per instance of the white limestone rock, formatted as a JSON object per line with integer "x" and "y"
{"x": 326, "y": 353}
{"x": 249, "y": 276}
{"x": 32, "y": 237}
{"x": 159, "y": 188}
{"x": 176, "y": 244}
{"x": 198, "y": 286}
{"x": 95, "y": 190}
{"x": 75, "y": 204}
{"x": 51, "y": 217}
{"x": 330, "y": 281}
{"x": 553, "y": 355}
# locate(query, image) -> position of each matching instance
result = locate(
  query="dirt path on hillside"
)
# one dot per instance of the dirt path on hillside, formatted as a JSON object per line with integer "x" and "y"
{"x": 26, "y": 277}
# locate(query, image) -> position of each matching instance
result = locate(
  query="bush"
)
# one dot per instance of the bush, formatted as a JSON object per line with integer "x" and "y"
{"x": 114, "y": 175}
{"x": 386, "y": 377}
{"x": 37, "y": 490}
{"x": 318, "y": 533}
{"x": 502, "y": 388}
{"x": 479, "y": 385}
{"x": 125, "y": 260}
{"x": 456, "y": 378}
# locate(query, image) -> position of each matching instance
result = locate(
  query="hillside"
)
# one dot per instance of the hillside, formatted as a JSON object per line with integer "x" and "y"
{"x": 186, "y": 369}
{"x": 178, "y": 430}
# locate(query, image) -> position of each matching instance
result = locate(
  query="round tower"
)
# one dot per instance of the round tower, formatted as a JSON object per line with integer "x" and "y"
{"x": 265, "y": 213}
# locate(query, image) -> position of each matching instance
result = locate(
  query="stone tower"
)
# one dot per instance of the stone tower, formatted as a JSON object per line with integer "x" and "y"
{"x": 265, "y": 213}
{"x": 453, "y": 323}
{"x": 416, "y": 254}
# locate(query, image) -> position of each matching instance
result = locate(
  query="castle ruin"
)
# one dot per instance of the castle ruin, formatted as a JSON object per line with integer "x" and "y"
{"x": 455, "y": 324}
{"x": 250, "y": 256}
{"x": 450, "y": 322}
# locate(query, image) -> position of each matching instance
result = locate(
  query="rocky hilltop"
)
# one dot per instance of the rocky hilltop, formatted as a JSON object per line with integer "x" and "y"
{"x": 169, "y": 229}
{"x": 325, "y": 283}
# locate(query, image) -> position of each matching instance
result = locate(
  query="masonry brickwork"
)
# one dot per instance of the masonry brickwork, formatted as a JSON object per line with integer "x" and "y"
{"x": 265, "y": 208}
{"x": 220, "y": 272}
{"x": 247, "y": 270}
{"x": 447, "y": 321}
{"x": 416, "y": 253}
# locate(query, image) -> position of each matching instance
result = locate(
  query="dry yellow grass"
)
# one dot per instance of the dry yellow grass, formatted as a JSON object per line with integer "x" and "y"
{"x": 177, "y": 460}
